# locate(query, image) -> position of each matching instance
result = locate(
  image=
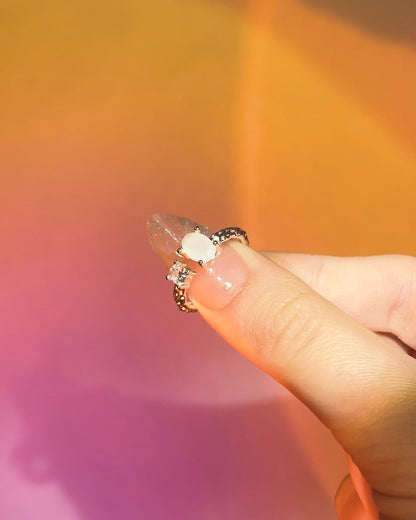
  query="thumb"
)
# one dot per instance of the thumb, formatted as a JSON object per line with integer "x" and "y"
{"x": 343, "y": 371}
{"x": 359, "y": 384}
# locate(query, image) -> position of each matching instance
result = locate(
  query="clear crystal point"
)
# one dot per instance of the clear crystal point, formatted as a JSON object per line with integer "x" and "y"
{"x": 180, "y": 274}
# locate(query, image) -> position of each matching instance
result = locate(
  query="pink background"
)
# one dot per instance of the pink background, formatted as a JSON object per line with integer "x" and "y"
{"x": 294, "y": 119}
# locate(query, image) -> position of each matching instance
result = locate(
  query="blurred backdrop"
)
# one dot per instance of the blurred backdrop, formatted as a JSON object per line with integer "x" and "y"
{"x": 294, "y": 119}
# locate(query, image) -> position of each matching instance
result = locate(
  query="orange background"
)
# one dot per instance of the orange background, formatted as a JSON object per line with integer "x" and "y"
{"x": 294, "y": 119}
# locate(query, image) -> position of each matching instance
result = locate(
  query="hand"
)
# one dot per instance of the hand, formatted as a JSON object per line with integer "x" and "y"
{"x": 340, "y": 334}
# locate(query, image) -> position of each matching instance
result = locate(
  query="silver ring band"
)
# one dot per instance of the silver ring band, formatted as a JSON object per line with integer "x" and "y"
{"x": 228, "y": 233}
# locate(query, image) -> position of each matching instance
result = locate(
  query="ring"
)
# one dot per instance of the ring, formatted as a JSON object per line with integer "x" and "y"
{"x": 202, "y": 249}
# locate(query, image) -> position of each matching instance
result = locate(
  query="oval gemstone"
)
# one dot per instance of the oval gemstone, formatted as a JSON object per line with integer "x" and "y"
{"x": 197, "y": 246}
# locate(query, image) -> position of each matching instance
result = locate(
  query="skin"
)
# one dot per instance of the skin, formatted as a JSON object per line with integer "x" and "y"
{"x": 340, "y": 333}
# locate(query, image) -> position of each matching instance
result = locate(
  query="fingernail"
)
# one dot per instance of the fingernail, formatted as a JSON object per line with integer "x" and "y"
{"x": 215, "y": 283}
{"x": 165, "y": 233}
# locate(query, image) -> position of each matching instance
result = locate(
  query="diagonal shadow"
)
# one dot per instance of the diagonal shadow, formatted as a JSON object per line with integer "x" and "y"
{"x": 391, "y": 19}
{"x": 388, "y": 18}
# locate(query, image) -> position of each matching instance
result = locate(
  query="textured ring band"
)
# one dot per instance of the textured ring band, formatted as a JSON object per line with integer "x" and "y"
{"x": 181, "y": 275}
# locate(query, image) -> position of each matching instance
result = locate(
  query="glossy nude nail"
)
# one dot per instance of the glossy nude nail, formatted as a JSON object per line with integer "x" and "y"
{"x": 165, "y": 233}
{"x": 219, "y": 281}
{"x": 216, "y": 282}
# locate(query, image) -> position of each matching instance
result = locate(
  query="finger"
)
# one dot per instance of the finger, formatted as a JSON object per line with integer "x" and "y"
{"x": 360, "y": 385}
{"x": 348, "y": 505}
{"x": 362, "y": 488}
{"x": 378, "y": 291}
{"x": 395, "y": 508}
{"x": 326, "y": 358}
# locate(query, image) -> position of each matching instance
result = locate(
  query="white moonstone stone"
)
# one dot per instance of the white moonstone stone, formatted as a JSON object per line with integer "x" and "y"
{"x": 197, "y": 247}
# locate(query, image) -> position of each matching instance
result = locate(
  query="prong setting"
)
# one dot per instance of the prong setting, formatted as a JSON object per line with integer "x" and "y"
{"x": 180, "y": 274}
{"x": 202, "y": 249}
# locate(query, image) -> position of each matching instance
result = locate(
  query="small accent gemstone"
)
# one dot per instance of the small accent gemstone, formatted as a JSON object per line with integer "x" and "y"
{"x": 179, "y": 274}
{"x": 197, "y": 246}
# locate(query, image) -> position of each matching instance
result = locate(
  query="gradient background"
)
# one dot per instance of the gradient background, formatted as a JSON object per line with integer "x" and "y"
{"x": 294, "y": 119}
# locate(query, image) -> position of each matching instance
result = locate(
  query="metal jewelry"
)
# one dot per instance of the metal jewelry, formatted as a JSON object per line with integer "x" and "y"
{"x": 202, "y": 249}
